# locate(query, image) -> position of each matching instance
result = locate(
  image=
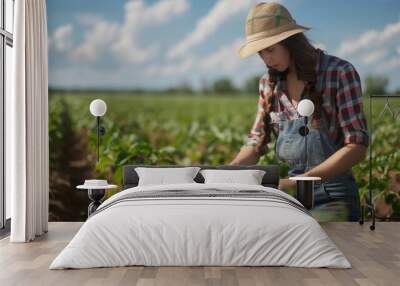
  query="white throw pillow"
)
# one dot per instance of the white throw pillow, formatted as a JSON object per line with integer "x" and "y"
{"x": 250, "y": 177}
{"x": 162, "y": 176}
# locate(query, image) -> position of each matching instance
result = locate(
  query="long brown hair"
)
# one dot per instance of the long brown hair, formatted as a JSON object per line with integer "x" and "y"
{"x": 304, "y": 56}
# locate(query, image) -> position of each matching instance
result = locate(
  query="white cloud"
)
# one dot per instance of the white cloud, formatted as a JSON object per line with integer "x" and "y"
{"x": 376, "y": 51}
{"x": 97, "y": 39}
{"x": 137, "y": 17}
{"x": 78, "y": 76}
{"x": 389, "y": 65}
{"x": 171, "y": 69}
{"x": 222, "y": 11}
{"x": 368, "y": 39}
{"x": 163, "y": 11}
{"x": 120, "y": 40}
{"x": 225, "y": 62}
{"x": 225, "y": 59}
{"x": 374, "y": 56}
{"x": 88, "y": 19}
{"x": 60, "y": 40}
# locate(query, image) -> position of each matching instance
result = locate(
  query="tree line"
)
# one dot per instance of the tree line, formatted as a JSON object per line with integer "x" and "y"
{"x": 373, "y": 84}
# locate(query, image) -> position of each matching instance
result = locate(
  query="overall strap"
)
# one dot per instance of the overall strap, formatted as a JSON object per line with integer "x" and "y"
{"x": 323, "y": 65}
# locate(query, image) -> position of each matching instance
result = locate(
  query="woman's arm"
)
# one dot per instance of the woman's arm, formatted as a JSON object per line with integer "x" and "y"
{"x": 256, "y": 144}
{"x": 341, "y": 161}
{"x": 247, "y": 156}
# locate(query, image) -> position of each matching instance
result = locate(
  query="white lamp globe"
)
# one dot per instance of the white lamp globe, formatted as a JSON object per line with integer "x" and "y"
{"x": 305, "y": 107}
{"x": 98, "y": 107}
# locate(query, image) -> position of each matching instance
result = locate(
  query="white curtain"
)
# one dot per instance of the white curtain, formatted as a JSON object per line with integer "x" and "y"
{"x": 27, "y": 154}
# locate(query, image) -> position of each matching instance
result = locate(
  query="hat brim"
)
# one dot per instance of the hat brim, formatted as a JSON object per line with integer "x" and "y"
{"x": 250, "y": 48}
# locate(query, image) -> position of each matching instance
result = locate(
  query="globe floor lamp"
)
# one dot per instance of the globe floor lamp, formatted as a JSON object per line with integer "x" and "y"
{"x": 98, "y": 108}
{"x": 305, "y": 184}
{"x": 305, "y": 108}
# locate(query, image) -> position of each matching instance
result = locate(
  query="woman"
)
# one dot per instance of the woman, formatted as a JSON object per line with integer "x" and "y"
{"x": 337, "y": 137}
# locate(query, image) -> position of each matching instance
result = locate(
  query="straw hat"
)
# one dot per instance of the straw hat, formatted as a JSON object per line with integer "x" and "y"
{"x": 266, "y": 25}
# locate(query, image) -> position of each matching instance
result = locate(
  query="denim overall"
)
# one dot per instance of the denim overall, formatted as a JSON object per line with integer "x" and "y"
{"x": 336, "y": 198}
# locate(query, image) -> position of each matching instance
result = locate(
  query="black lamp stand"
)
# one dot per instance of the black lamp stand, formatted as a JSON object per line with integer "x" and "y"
{"x": 100, "y": 130}
{"x": 303, "y": 132}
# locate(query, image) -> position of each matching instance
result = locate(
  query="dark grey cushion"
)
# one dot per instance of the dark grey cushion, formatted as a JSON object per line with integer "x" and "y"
{"x": 270, "y": 179}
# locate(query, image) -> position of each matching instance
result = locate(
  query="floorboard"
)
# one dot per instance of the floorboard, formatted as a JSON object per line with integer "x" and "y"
{"x": 374, "y": 255}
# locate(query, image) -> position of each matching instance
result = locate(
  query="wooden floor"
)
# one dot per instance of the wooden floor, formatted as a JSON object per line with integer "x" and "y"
{"x": 375, "y": 256}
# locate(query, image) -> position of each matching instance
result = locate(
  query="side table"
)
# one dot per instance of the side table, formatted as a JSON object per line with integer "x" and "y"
{"x": 305, "y": 189}
{"x": 96, "y": 191}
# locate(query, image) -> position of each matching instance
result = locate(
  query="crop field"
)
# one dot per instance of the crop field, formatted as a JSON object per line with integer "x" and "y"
{"x": 182, "y": 129}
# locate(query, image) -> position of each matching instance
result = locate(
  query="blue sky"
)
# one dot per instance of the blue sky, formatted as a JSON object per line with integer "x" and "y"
{"x": 158, "y": 44}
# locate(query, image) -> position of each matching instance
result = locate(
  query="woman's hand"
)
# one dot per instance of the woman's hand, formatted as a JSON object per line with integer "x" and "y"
{"x": 285, "y": 184}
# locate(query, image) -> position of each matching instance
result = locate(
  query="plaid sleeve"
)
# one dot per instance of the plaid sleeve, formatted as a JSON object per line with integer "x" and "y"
{"x": 350, "y": 113}
{"x": 257, "y": 129}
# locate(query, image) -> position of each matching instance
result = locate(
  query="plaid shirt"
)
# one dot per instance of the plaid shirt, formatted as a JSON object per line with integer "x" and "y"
{"x": 341, "y": 101}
